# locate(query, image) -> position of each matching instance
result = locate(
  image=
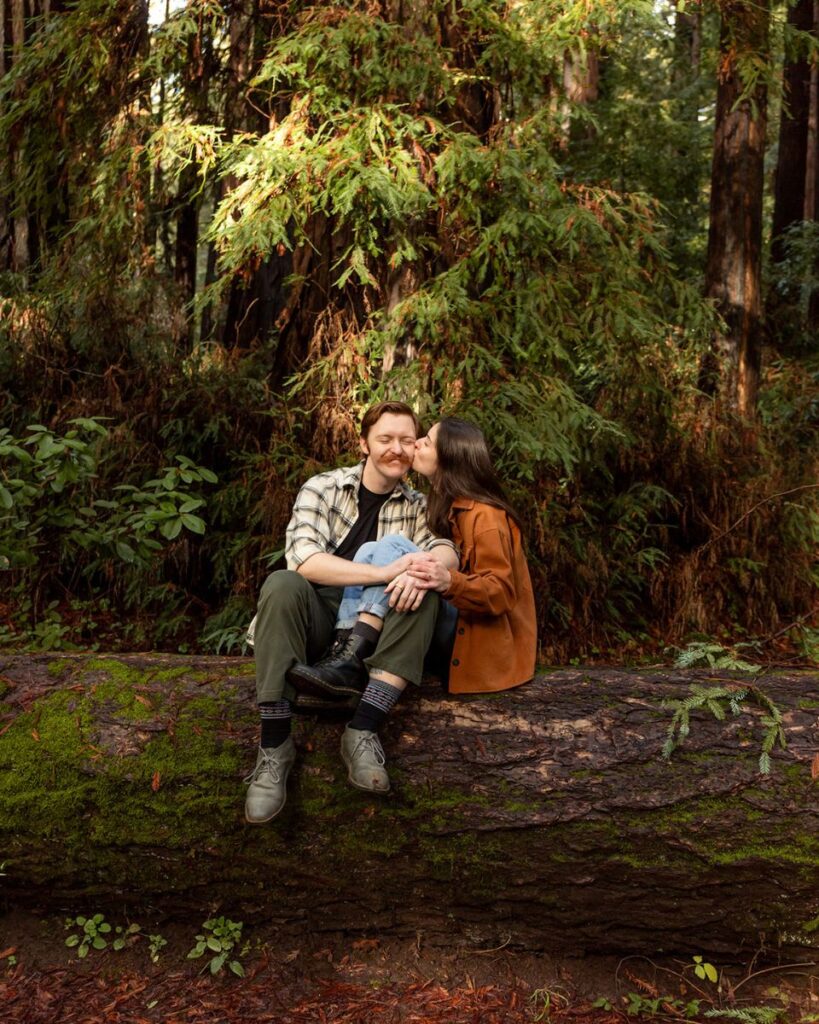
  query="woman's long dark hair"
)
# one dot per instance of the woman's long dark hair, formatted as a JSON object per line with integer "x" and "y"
{"x": 465, "y": 470}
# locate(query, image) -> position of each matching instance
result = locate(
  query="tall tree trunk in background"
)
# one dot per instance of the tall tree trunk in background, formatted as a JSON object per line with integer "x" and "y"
{"x": 581, "y": 80}
{"x": 20, "y": 254}
{"x": 687, "y": 39}
{"x": 6, "y": 226}
{"x": 198, "y": 75}
{"x": 795, "y": 181}
{"x": 685, "y": 76}
{"x": 256, "y": 299}
{"x": 478, "y": 104}
{"x": 733, "y": 270}
{"x": 812, "y": 174}
{"x": 791, "y": 166}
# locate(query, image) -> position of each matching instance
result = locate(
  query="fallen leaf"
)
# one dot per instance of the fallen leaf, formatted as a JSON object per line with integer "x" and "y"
{"x": 155, "y": 781}
{"x": 814, "y": 767}
{"x": 36, "y": 735}
{"x": 8, "y": 952}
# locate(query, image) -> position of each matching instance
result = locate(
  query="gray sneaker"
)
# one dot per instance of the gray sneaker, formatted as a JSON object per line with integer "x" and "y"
{"x": 363, "y": 754}
{"x": 267, "y": 790}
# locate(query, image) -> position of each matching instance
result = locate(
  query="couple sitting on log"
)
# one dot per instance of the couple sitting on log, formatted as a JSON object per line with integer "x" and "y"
{"x": 379, "y": 583}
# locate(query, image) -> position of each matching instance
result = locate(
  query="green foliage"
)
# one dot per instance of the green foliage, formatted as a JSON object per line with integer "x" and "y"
{"x": 750, "y": 1014}
{"x": 714, "y": 656}
{"x": 221, "y": 936}
{"x": 794, "y": 282}
{"x": 95, "y": 933}
{"x": 704, "y": 970}
{"x": 413, "y": 208}
{"x": 58, "y": 520}
{"x": 719, "y": 700}
{"x": 156, "y": 943}
{"x": 638, "y": 1005}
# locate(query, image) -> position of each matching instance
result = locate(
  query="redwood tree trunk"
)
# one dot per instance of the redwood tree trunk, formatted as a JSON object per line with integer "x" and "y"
{"x": 792, "y": 161}
{"x": 733, "y": 270}
{"x": 545, "y": 817}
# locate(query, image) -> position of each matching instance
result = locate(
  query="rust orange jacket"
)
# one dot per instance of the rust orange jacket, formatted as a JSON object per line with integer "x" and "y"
{"x": 496, "y": 635}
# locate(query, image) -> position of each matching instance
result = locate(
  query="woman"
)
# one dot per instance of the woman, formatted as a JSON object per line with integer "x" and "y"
{"x": 494, "y": 640}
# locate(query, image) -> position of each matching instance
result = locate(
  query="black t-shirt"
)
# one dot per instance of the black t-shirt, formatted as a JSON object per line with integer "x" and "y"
{"x": 365, "y": 528}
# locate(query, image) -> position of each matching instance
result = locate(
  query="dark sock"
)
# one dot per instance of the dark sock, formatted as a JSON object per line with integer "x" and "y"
{"x": 366, "y": 631}
{"x": 376, "y": 703}
{"x": 276, "y": 718}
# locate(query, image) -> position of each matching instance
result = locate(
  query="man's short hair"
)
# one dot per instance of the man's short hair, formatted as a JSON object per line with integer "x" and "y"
{"x": 375, "y": 412}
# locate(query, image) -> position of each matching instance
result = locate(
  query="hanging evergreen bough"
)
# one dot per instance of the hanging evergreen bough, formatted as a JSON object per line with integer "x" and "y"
{"x": 718, "y": 699}
{"x": 378, "y": 205}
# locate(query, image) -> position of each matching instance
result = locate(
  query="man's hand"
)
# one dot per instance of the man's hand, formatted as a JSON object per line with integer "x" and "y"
{"x": 400, "y": 565}
{"x": 405, "y": 594}
{"x": 430, "y": 574}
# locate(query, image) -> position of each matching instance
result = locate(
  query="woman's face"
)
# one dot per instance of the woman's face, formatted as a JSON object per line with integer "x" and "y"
{"x": 426, "y": 454}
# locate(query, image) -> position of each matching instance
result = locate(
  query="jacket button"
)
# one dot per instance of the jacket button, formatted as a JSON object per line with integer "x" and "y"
{"x": 455, "y": 662}
{"x": 461, "y": 631}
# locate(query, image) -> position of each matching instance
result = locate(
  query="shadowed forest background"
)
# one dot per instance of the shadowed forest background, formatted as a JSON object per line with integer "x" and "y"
{"x": 227, "y": 228}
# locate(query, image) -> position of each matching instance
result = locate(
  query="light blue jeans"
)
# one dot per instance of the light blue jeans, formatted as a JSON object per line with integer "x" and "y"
{"x": 373, "y": 601}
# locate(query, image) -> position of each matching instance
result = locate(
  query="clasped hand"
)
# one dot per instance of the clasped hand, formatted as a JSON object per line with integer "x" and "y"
{"x": 405, "y": 594}
{"x": 408, "y": 588}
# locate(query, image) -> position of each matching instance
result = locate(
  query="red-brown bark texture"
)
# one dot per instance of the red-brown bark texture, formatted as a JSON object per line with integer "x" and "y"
{"x": 545, "y": 817}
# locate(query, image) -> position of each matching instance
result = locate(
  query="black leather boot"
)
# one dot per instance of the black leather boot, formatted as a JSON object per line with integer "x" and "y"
{"x": 341, "y": 673}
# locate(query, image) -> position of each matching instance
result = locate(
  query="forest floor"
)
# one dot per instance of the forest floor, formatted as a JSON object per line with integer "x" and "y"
{"x": 332, "y": 980}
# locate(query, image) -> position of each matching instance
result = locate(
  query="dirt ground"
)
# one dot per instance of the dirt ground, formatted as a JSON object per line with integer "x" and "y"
{"x": 337, "y": 980}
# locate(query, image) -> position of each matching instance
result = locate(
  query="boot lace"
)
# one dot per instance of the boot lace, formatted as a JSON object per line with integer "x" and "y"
{"x": 267, "y": 763}
{"x": 371, "y": 744}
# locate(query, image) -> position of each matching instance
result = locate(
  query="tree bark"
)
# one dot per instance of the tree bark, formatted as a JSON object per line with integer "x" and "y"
{"x": 734, "y": 265}
{"x": 811, "y": 211}
{"x": 544, "y": 817}
{"x": 687, "y": 42}
{"x": 791, "y": 166}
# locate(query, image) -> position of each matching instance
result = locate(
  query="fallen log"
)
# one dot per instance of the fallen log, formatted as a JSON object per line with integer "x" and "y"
{"x": 545, "y": 818}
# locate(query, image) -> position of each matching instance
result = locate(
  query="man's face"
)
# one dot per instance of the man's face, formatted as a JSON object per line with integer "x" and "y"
{"x": 390, "y": 445}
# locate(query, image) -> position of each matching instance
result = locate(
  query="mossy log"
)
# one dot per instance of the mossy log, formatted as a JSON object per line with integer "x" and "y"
{"x": 545, "y": 818}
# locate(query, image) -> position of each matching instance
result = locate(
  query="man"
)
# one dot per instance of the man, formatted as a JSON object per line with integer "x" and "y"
{"x": 334, "y": 515}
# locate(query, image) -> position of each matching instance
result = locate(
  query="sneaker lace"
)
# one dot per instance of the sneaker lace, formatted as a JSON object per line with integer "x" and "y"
{"x": 267, "y": 763}
{"x": 370, "y": 743}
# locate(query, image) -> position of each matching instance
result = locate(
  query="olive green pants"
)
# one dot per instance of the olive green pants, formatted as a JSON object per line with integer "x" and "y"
{"x": 296, "y": 621}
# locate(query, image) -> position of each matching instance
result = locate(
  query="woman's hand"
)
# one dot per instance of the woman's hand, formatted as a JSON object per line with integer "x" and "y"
{"x": 405, "y": 593}
{"x": 429, "y": 574}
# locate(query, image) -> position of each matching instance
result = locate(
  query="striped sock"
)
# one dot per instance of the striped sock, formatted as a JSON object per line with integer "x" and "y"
{"x": 376, "y": 703}
{"x": 276, "y": 718}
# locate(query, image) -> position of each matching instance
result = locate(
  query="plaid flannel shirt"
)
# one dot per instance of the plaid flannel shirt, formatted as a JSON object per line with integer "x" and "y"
{"x": 327, "y": 506}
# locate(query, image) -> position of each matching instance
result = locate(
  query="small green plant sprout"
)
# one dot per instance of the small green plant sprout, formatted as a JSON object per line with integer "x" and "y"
{"x": 602, "y": 1004}
{"x": 125, "y": 936}
{"x": 638, "y": 1005}
{"x": 714, "y": 655}
{"x": 155, "y": 946}
{"x": 221, "y": 936}
{"x": 704, "y": 970}
{"x": 91, "y": 934}
{"x": 719, "y": 700}
{"x": 545, "y": 1001}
